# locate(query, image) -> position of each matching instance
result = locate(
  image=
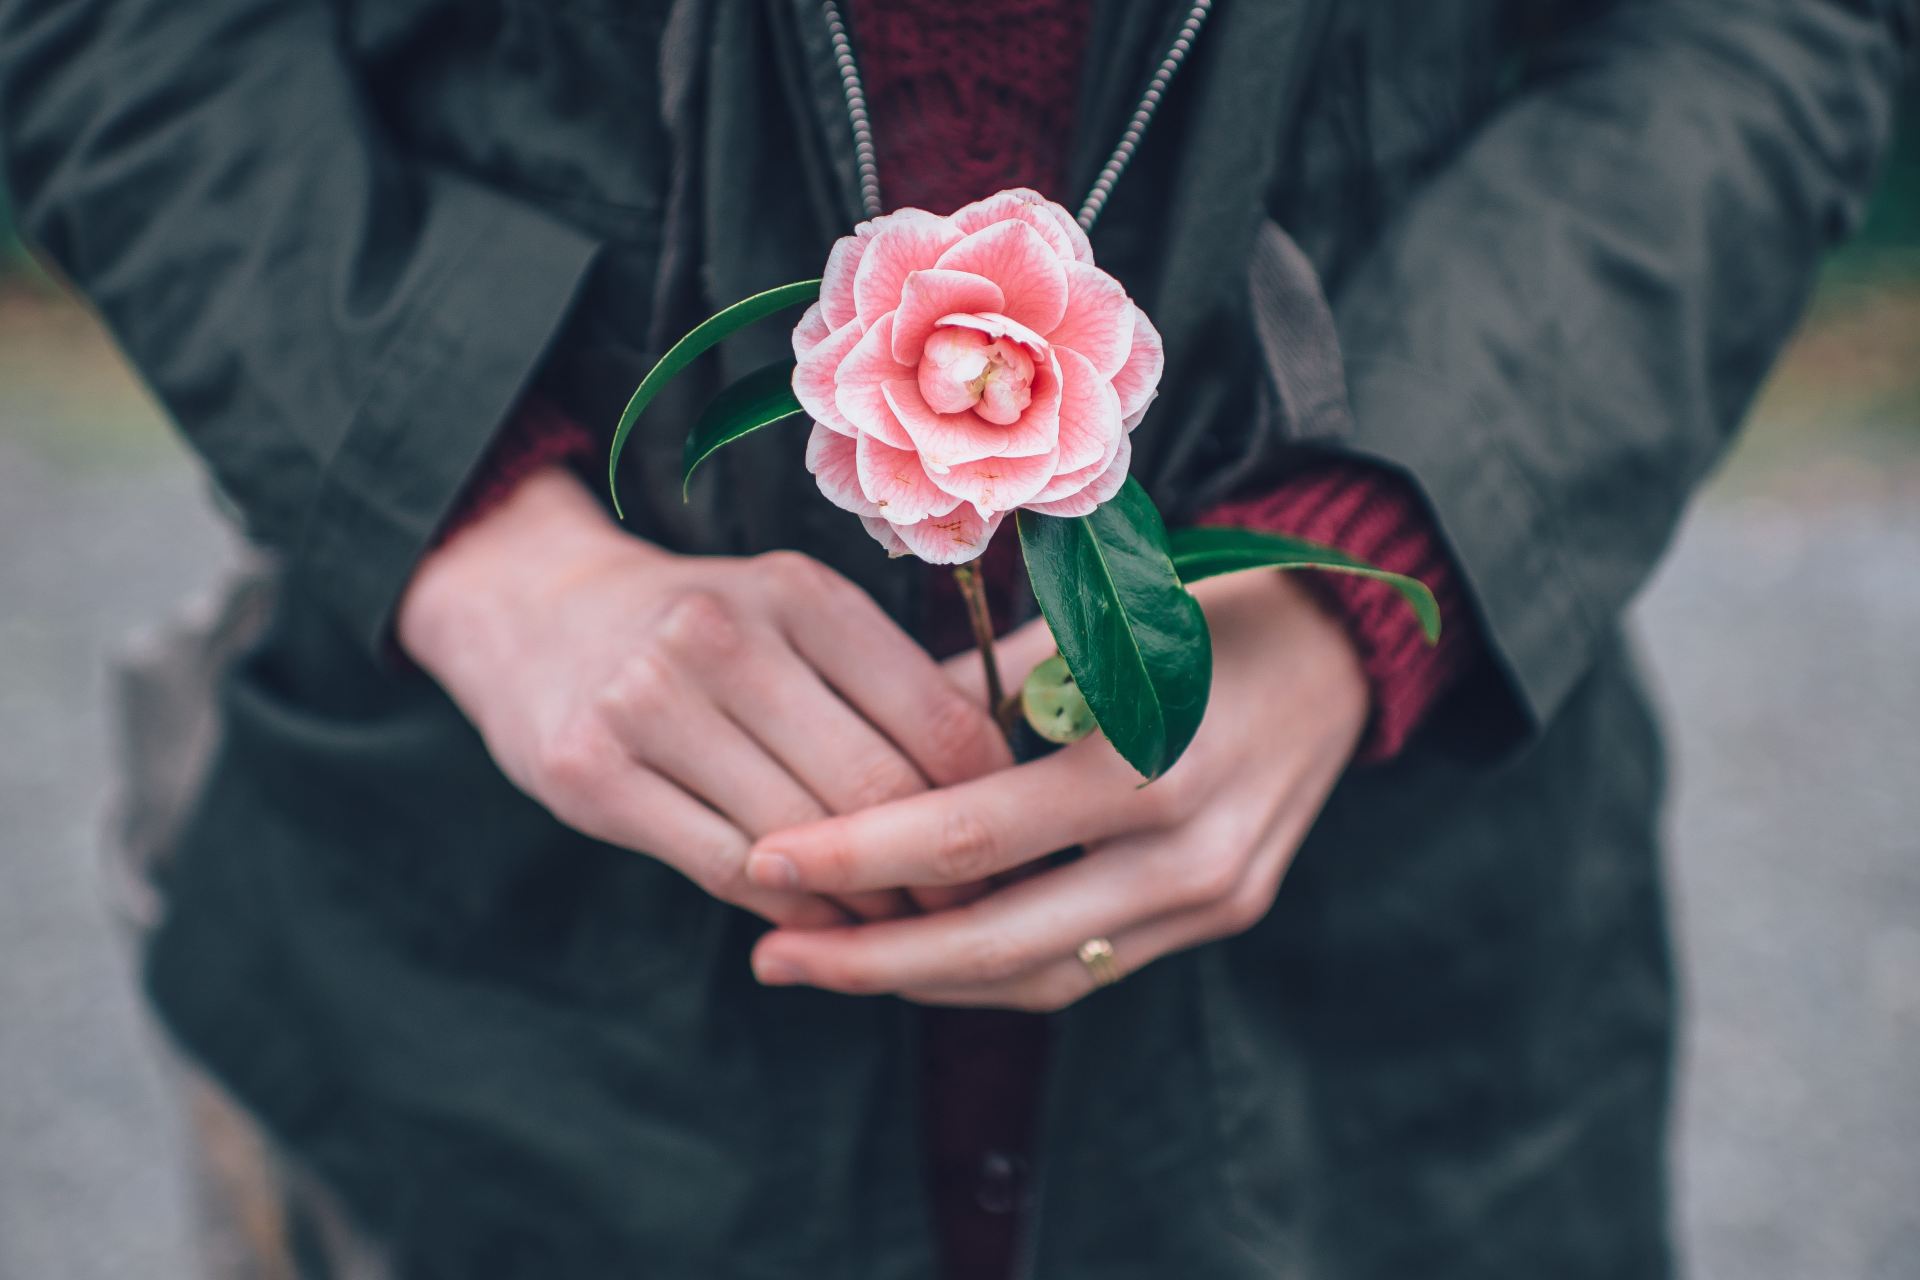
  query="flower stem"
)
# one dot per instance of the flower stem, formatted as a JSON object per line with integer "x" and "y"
{"x": 974, "y": 592}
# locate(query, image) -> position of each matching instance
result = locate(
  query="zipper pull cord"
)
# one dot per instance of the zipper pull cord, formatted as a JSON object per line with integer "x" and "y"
{"x": 1142, "y": 115}
{"x": 866, "y": 159}
{"x": 864, "y": 156}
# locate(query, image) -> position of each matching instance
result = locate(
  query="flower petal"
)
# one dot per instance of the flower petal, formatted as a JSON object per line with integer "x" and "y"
{"x": 1089, "y": 413}
{"x": 1037, "y": 429}
{"x": 865, "y": 406}
{"x": 836, "y": 278}
{"x": 832, "y": 461}
{"x": 1092, "y": 489}
{"x": 858, "y": 381}
{"x": 1076, "y": 235}
{"x": 995, "y": 325}
{"x": 955, "y": 538}
{"x": 1014, "y": 256}
{"x": 1132, "y": 420}
{"x": 1068, "y": 481}
{"x": 941, "y": 439}
{"x": 897, "y": 484}
{"x": 1139, "y": 377}
{"x": 928, "y": 295}
{"x": 996, "y": 485}
{"x": 908, "y": 240}
{"x": 1055, "y": 225}
{"x": 813, "y": 376}
{"x": 870, "y": 359}
{"x": 811, "y": 330}
{"x": 1099, "y": 319}
{"x": 886, "y": 536}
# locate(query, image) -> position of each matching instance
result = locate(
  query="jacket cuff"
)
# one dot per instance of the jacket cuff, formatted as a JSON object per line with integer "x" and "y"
{"x": 1507, "y": 542}
{"x": 479, "y": 332}
{"x": 1369, "y": 512}
{"x": 538, "y": 435}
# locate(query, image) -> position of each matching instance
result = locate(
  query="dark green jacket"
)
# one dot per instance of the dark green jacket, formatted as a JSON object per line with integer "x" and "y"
{"x": 1560, "y": 242}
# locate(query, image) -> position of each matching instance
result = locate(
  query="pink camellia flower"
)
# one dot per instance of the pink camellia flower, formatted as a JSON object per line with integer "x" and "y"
{"x": 957, "y": 368}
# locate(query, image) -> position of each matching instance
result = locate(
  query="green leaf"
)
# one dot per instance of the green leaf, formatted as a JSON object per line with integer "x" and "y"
{"x": 1210, "y": 550}
{"x": 705, "y": 335}
{"x": 1134, "y": 639}
{"x": 758, "y": 400}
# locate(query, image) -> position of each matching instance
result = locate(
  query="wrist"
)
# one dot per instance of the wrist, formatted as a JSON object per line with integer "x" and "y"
{"x": 1294, "y": 639}
{"x": 1332, "y": 659}
{"x": 510, "y": 559}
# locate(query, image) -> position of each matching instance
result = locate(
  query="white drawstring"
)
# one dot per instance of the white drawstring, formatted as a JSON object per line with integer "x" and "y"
{"x": 867, "y": 159}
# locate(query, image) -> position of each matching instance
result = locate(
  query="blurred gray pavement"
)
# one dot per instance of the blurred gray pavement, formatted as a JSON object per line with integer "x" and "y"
{"x": 1784, "y": 631}
{"x": 90, "y": 1188}
{"x": 1787, "y": 645}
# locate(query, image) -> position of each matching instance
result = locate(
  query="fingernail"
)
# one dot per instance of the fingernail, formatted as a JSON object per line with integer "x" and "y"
{"x": 773, "y": 871}
{"x": 775, "y": 972}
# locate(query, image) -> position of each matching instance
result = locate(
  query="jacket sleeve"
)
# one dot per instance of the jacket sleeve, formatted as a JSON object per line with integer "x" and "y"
{"x": 339, "y": 327}
{"x": 1558, "y": 333}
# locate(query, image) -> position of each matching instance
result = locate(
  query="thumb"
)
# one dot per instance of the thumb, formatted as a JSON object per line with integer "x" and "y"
{"x": 1018, "y": 652}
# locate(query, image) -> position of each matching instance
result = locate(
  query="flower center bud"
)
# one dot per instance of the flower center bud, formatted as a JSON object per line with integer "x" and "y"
{"x": 963, "y": 369}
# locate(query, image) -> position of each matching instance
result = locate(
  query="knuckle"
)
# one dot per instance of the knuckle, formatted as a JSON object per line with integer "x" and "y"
{"x": 794, "y": 575}
{"x": 701, "y": 625}
{"x": 880, "y": 779}
{"x": 726, "y": 881}
{"x": 799, "y": 811}
{"x": 995, "y": 958}
{"x": 1246, "y": 908}
{"x": 847, "y": 975}
{"x": 641, "y": 687}
{"x": 1210, "y": 877}
{"x": 957, "y": 730}
{"x": 966, "y": 847}
{"x": 829, "y": 864}
{"x": 568, "y": 763}
{"x": 719, "y": 868}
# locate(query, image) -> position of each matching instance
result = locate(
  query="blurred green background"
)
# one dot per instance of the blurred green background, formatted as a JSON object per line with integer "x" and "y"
{"x": 1783, "y": 632}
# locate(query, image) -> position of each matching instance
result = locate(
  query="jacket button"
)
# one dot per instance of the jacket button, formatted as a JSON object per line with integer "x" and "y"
{"x": 1003, "y": 1184}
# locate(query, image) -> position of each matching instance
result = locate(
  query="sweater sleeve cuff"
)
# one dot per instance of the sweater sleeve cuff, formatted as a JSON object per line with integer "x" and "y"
{"x": 537, "y": 435}
{"x": 1367, "y": 511}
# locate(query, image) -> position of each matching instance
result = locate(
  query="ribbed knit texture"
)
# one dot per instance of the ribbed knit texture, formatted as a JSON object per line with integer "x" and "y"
{"x": 538, "y": 434}
{"x": 1370, "y": 513}
{"x": 968, "y": 99}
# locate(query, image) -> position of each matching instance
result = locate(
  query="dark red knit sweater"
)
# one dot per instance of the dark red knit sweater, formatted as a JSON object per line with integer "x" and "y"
{"x": 957, "y": 118}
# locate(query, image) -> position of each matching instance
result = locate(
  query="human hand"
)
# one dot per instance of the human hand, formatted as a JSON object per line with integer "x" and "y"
{"x": 1194, "y": 856}
{"x": 682, "y": 706}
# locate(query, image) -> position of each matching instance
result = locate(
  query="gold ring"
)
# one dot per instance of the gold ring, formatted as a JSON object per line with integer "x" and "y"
{"x": 1097, "y": 955}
